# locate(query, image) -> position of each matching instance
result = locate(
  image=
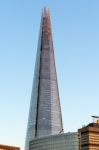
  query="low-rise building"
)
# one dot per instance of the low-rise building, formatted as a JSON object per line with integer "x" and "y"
{"x": 65, "y": 141}
{"x": 6, "y": 147}
{"x": 89, "y": 137}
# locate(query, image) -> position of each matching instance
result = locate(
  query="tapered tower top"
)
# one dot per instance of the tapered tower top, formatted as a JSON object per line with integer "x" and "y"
{"x": 45, "y": 112}
{"x": 46, "y": 12}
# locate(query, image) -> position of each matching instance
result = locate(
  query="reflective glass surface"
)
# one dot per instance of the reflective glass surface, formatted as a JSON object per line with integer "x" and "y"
{"x": 66, "y": 141}
{"x": 45, "y": 111}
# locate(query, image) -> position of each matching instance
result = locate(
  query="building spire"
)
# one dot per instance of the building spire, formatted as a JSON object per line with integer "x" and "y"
{"x": 46, "y": 12}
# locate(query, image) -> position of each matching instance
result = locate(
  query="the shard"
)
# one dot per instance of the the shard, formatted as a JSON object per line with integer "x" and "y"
{"x": 45, "y": 111}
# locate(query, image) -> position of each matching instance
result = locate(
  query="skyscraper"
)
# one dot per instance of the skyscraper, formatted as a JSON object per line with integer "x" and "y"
{"x": 45, "y": 111}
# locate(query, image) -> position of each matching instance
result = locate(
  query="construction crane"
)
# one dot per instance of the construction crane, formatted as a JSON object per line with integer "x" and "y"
{"x": 95, "y": 118}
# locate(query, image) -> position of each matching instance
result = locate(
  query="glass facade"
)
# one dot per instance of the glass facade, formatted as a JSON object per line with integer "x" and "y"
{"x": 45, "y": 111}
{"x": 66, "y": 141}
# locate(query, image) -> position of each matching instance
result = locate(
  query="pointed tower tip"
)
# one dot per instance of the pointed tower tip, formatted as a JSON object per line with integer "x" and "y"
{"x": 45, "y": 11}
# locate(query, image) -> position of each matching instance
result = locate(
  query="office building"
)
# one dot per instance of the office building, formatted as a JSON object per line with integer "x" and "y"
{"x": 45, "y": 111}
{"x": 89, "y": 137}
{"x": 65, "y": 141}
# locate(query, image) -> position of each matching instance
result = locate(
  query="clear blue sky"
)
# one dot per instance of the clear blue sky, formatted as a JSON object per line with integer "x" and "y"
{"x": 75, "y": 25}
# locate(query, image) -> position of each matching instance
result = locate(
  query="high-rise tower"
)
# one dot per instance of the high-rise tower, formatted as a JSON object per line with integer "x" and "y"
{"x": 45, "y": 111}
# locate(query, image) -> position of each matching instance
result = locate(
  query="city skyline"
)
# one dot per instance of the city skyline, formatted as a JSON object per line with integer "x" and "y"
{"x": 76, "y": 34}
